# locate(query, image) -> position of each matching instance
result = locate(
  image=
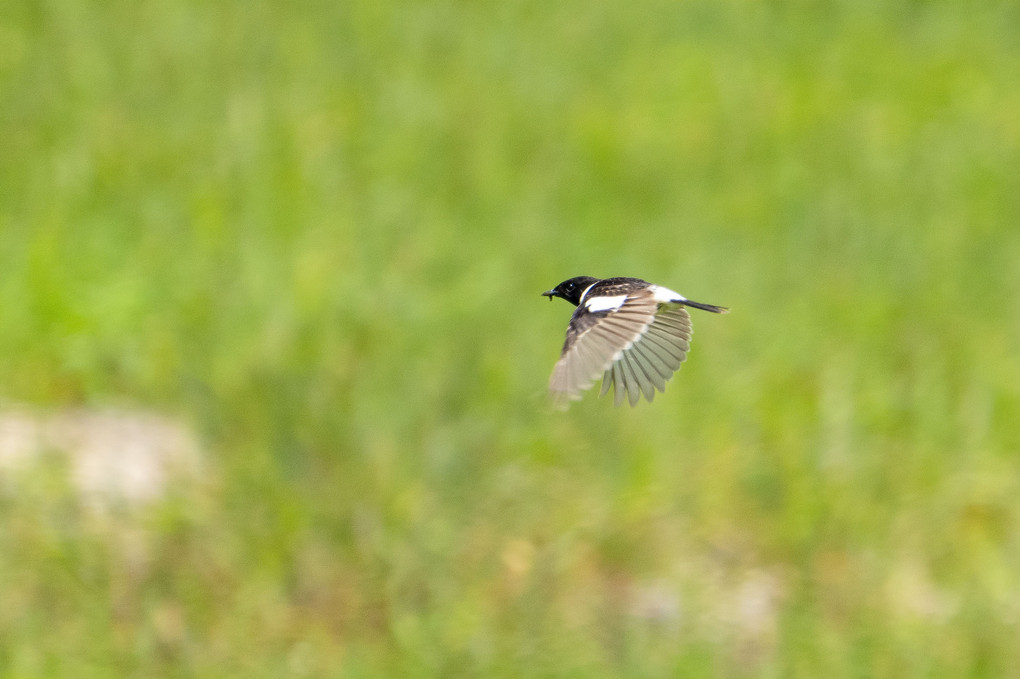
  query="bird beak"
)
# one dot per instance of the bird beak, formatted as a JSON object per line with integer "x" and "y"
{"x": 550, "y": 294}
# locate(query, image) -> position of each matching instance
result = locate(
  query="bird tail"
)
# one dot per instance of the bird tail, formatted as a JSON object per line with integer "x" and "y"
{"x": 706, "y": 307}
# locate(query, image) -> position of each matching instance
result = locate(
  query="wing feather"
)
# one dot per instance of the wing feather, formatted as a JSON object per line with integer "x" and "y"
{"x": 661, "y": 359}
{"x": 643, "y": 372}
{"x": 657, "y": 372}
{"x": 621, "y": 384}
{"x": 671, "y": 353}
{"x": 633, "y": 381}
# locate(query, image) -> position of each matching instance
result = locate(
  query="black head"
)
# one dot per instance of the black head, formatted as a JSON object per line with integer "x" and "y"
{"x": 572, "y": 289}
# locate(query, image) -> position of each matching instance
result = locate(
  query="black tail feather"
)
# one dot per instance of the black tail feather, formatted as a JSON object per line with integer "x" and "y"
{"x": 706, "y": 307}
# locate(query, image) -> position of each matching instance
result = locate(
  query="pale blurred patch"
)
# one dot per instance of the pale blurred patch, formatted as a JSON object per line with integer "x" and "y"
{"x": 739, "y": 607}
{"x": 912, "y": 594}
{"x": 113, "y": 457}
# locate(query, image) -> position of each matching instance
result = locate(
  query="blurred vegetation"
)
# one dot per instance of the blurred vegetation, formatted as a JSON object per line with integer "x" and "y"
{"x": 318, "y": 232}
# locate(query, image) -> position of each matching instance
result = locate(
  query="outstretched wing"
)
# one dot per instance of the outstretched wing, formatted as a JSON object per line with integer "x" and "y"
{"x": 635, "y": 342}
{"x": 598, "y": 335}
{"x": 652, "y": 358}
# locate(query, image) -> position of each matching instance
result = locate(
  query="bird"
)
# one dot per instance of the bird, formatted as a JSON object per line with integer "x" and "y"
{"x": 631, "y": 332}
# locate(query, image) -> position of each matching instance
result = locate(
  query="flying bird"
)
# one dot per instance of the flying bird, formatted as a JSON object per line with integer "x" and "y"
{"x": 631, "y": 332}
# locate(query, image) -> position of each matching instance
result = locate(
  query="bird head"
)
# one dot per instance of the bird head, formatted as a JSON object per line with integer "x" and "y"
{"x": 571, "y": 289}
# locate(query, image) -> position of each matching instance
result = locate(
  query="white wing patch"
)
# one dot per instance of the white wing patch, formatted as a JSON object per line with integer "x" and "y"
{"x": 605, "y": 303}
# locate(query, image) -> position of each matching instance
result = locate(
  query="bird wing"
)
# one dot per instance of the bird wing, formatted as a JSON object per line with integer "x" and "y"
{"x": 637, "y": 346}
{"x": 652, "y": 359}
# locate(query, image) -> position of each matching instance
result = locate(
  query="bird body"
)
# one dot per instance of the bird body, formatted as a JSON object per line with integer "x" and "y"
{"x": 631, "y": 332}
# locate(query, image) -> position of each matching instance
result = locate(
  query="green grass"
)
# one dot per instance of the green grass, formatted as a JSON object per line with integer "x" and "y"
{"x": 318, "y": 232}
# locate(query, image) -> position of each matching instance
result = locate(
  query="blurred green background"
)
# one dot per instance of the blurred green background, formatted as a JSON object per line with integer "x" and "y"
{"x": 315, "y": 233}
